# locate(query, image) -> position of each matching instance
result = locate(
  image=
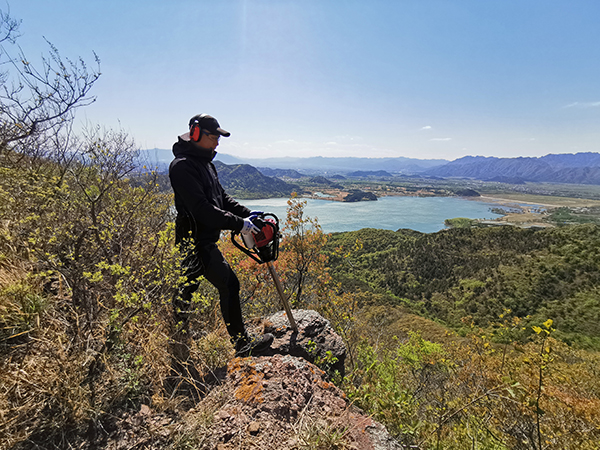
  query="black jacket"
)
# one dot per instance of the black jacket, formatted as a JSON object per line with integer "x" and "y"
{"x": 203, "y": 207}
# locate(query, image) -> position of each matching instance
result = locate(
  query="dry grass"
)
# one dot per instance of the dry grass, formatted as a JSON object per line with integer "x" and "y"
{"x": 319, "y": 433}
{"x": 58, "y": 381}
{"x": 41, "y": 393}
{"x": 213, "y": 350}
{"x": 195, "y": 425}
{"x": 21, "y": 302}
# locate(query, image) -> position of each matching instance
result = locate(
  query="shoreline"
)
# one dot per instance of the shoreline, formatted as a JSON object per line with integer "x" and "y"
{"x": 508, "y": 202}
{"x": 482, "y": 198}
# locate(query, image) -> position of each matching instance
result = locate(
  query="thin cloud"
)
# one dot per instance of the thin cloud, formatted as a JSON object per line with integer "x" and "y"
{"x": 287, "y": 142}
{"x": 583, "y": 105}
{"x": 426, "y": 127}
{"x": 441, "y": 139}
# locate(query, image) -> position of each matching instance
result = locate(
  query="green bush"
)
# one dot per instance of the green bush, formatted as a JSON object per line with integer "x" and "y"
{"x": 459, "y": 222}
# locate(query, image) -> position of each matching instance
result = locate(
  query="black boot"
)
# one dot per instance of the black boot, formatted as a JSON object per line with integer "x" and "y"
{"x": 246, "y": 345}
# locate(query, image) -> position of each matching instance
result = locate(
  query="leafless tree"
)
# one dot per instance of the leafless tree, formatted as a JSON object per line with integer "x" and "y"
{"x": 37, "y": 102}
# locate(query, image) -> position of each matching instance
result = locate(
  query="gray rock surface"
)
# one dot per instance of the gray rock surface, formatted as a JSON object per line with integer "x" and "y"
{"x": 315, "y": 341}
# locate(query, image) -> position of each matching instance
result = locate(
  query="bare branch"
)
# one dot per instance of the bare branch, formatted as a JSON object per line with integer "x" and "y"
{"x": 34, "y": 100}
{"x": 9, "y": 28}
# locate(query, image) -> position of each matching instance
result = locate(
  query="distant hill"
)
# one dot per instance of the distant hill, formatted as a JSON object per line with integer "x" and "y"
{"x": 320, "y": 164}
{"x": 356, "y": 195}
{"x": 588, "y": 159}
{"x": 245, "y": 181}
{"x": 280, "y": 173}
{"x": 315, "y": 165}
{"x": 321, "y": 180}
{"x": 467, "y": 193}
{"x": 580, "y": 168}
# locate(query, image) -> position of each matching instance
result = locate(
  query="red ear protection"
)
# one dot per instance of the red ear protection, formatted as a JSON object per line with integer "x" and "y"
{"x": 195, "y": 131}
{"x": 195, "y": 128}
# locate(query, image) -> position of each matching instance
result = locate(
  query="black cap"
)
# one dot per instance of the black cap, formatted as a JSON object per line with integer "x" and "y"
{"x": 210, "y": 124}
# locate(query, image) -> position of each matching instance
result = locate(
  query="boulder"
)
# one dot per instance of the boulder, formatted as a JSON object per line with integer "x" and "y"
{"x": 285, "y": 402}
{"x": 315, "y": 341}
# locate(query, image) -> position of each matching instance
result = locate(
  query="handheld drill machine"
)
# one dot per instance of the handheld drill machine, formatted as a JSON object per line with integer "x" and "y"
{"x": 263, "y": 247}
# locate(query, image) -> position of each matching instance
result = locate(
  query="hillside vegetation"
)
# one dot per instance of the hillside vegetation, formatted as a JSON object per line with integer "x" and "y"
{"x": 474, "y": 275}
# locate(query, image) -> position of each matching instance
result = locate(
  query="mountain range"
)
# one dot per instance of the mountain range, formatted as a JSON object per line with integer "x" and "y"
{"x": 322, "y": 164}
{"x": 579, "y": 168}
{"x": 161, "y": 158}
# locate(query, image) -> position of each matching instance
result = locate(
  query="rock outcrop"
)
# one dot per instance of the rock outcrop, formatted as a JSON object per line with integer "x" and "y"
{"x": 315, "y": 341}
{"x": 285, "y": 402}
{"x": 278, "y": 400}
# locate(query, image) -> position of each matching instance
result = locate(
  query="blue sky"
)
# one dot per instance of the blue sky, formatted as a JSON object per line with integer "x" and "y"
{"x": 379, "y": 78}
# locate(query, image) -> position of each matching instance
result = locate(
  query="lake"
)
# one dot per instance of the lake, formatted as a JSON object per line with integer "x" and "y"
{"x": 424, "y": 214}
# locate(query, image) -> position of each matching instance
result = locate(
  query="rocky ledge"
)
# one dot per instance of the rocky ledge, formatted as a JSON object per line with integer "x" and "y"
{"x": 279, "y": 400}
{"x": 285, "y": 402}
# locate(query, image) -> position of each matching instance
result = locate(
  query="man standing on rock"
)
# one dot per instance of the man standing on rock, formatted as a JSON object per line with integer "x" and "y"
{"x": 203, "y": 211}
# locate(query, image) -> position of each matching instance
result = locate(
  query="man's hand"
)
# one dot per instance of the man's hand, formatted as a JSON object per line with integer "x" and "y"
{"x": 249, "y": 227}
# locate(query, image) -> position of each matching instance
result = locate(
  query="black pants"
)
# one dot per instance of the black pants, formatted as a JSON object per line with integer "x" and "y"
{"x": 207, "y": 261}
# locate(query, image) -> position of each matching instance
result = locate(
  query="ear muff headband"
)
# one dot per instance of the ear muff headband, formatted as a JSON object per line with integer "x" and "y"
{"x": 195, "y": 129}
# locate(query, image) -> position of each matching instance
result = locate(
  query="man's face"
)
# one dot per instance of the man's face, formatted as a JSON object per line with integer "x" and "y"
{"x": 210, "y": 141}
